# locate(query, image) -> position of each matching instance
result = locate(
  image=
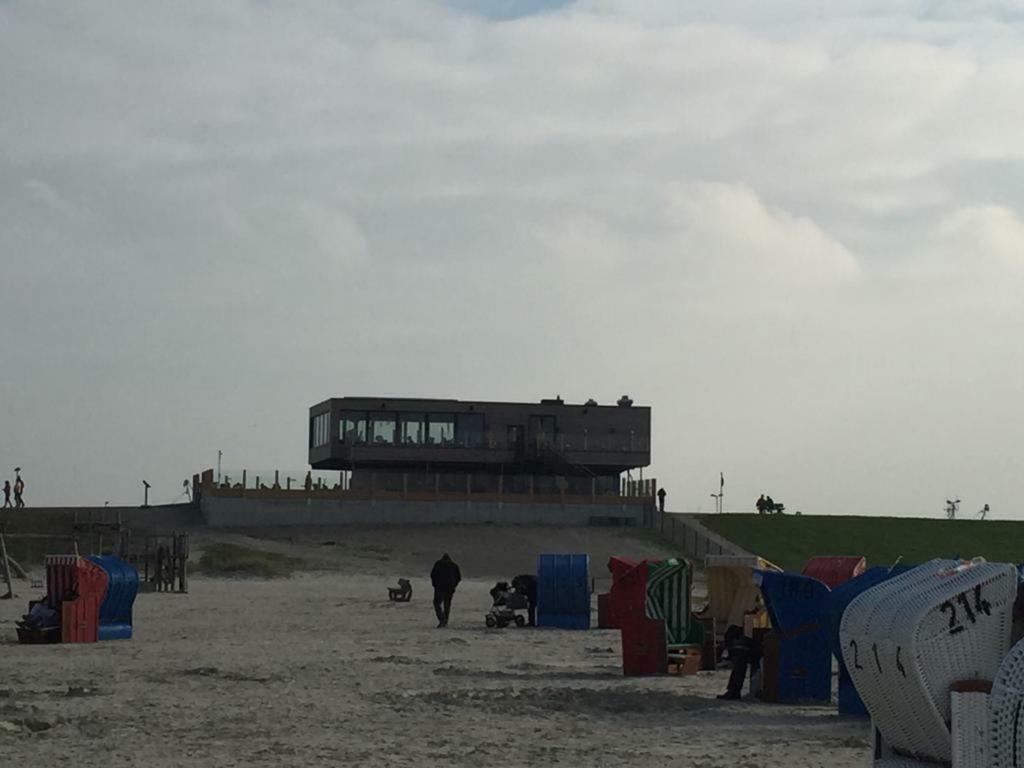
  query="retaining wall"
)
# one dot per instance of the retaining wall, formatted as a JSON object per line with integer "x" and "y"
{"x": 228, "y": 512}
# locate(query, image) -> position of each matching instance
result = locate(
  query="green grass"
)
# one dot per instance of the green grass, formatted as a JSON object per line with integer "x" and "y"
{"x": 788, "y": 541}
{"x": 222, "y": 559}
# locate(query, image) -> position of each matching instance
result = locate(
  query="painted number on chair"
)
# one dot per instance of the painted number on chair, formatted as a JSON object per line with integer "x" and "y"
{"x": 971, "y": 611}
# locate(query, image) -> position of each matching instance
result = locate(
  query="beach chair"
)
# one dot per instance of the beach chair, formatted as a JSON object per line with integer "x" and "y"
{"x": 833, "y": 570}
{"x": 644, "y": 650}
{"x": 909, "y": 639}
{"x": 797, "y": 655}
{"x": 669, "y": 584}
{"x": 608, "y": 603}
{"x": 732, "y": 594}
{"x": 402, "y": 593}
{"x": 1006, "y": 705}
{"x": 839, "y": 598}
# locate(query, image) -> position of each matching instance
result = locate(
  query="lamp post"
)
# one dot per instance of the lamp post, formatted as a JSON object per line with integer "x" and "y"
{"x": 145, "y": 492}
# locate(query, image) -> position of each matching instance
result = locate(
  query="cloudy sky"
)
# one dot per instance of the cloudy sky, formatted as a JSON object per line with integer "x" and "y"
{"x": 795, "y": 229}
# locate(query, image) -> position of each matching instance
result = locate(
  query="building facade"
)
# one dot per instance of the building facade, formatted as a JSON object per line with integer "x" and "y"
{"x": 545, "y": 448}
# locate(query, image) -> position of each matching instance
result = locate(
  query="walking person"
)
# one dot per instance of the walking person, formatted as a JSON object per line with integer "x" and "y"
{"x": 661, "y": 500}
{"x": 7, "y": 494}
{"x": 445, "y": 577}
{"x": 19, "y": 488}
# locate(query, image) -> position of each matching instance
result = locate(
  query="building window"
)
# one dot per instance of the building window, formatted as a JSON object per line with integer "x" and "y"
{"x": 469, "y": 430}
{"x": 382, "y": 428}
{"x": 353, "y": 428}
{"x": 440, "y": 429}
{"x": 320, "y": 430}
{"x": 411, "y": 428}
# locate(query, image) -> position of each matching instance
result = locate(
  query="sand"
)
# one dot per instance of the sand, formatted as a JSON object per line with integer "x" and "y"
{"x": 319, "y": 669}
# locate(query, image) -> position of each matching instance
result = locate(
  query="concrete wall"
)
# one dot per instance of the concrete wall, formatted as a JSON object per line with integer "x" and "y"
{"x": 60, "y": 520}
{"x": 227, "y": 512}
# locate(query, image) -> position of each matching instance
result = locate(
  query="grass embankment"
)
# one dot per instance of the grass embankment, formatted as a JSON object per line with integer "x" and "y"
{"x": 788, "y": 541}
{"x": 223, "y": 559}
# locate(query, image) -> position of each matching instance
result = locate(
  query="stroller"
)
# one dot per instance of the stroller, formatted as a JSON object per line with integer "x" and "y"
{"x": 506, "y": 608}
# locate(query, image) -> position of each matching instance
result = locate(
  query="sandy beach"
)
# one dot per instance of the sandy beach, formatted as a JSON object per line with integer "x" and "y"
{"x": 319, "y": 669}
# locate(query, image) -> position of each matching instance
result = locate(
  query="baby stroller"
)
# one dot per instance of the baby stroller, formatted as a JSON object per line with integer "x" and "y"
{"x": 506, "y": 608}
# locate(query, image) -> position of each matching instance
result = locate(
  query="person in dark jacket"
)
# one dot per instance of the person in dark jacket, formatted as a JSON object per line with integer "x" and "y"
{"x": 526, "y": 584}
{"x": 445, "y": 576}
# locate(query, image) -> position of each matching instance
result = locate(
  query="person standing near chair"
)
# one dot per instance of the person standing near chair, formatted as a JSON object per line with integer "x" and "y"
{"x": 526, "y": 584}
{"x": 445, "y": 577}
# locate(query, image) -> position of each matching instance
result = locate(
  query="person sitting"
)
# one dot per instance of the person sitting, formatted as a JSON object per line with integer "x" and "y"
{"x": 401, "y": 594}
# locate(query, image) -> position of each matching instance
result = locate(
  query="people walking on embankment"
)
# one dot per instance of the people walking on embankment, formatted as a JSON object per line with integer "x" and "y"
{"x": 445, "y": 577}
{"x": 7, "y": 494}
{"x": 19, "y": 489}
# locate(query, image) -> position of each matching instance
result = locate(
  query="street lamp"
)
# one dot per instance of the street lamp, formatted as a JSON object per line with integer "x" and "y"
{"x": 145, "y": 498}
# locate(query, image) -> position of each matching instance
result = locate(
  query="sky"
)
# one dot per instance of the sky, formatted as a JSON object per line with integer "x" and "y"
{"x": 794, "y": 229}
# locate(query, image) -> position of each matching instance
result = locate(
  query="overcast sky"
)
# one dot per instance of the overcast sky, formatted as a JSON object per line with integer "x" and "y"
{"x": 795, "y": 229}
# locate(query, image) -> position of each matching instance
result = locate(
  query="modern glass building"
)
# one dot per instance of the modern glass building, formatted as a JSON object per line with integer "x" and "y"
{"x": 550, "y": 447}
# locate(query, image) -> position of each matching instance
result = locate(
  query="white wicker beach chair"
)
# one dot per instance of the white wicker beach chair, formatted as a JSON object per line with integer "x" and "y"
{"x": 908, "y": 639}
{"x": 1006, "y": 707}
{"x": 971, "y": 729}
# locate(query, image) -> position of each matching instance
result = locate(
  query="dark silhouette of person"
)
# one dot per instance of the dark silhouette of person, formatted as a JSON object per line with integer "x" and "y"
{"x": 19, "y": 488}
{"x": 309, "y": 481}
{"x": 744, "y": 653}
{"x": 761, "y": 504}
{"x": 7, "y": 494}
{"x": 526, "y": 584}
{"x": 445, "y": 577}
{"x": 769, "y": 504}
{"x": 661, "y": 500}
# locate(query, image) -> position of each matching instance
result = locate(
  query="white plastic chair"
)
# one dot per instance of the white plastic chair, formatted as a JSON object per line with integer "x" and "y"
{"x": 907, "y": 640}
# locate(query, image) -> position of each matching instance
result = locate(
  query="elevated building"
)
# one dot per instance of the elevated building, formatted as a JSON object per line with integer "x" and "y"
{"x": 460, "y": 446}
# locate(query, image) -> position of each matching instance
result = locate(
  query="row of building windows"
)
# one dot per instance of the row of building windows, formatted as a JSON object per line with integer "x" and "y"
{"x": 320, "y": 430}
{"x": 412, "y": 428}
{"x": 462, "y": 430}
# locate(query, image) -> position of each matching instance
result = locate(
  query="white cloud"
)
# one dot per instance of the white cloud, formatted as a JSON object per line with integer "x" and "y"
{"x": 611, "y": 196}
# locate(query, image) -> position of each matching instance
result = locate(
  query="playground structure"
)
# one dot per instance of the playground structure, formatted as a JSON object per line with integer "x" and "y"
{"x": 923, "y": 649}
{"x": 163, "y": 562}
{"x": 87, "y": 599}
{"x": 563, "y": 591}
